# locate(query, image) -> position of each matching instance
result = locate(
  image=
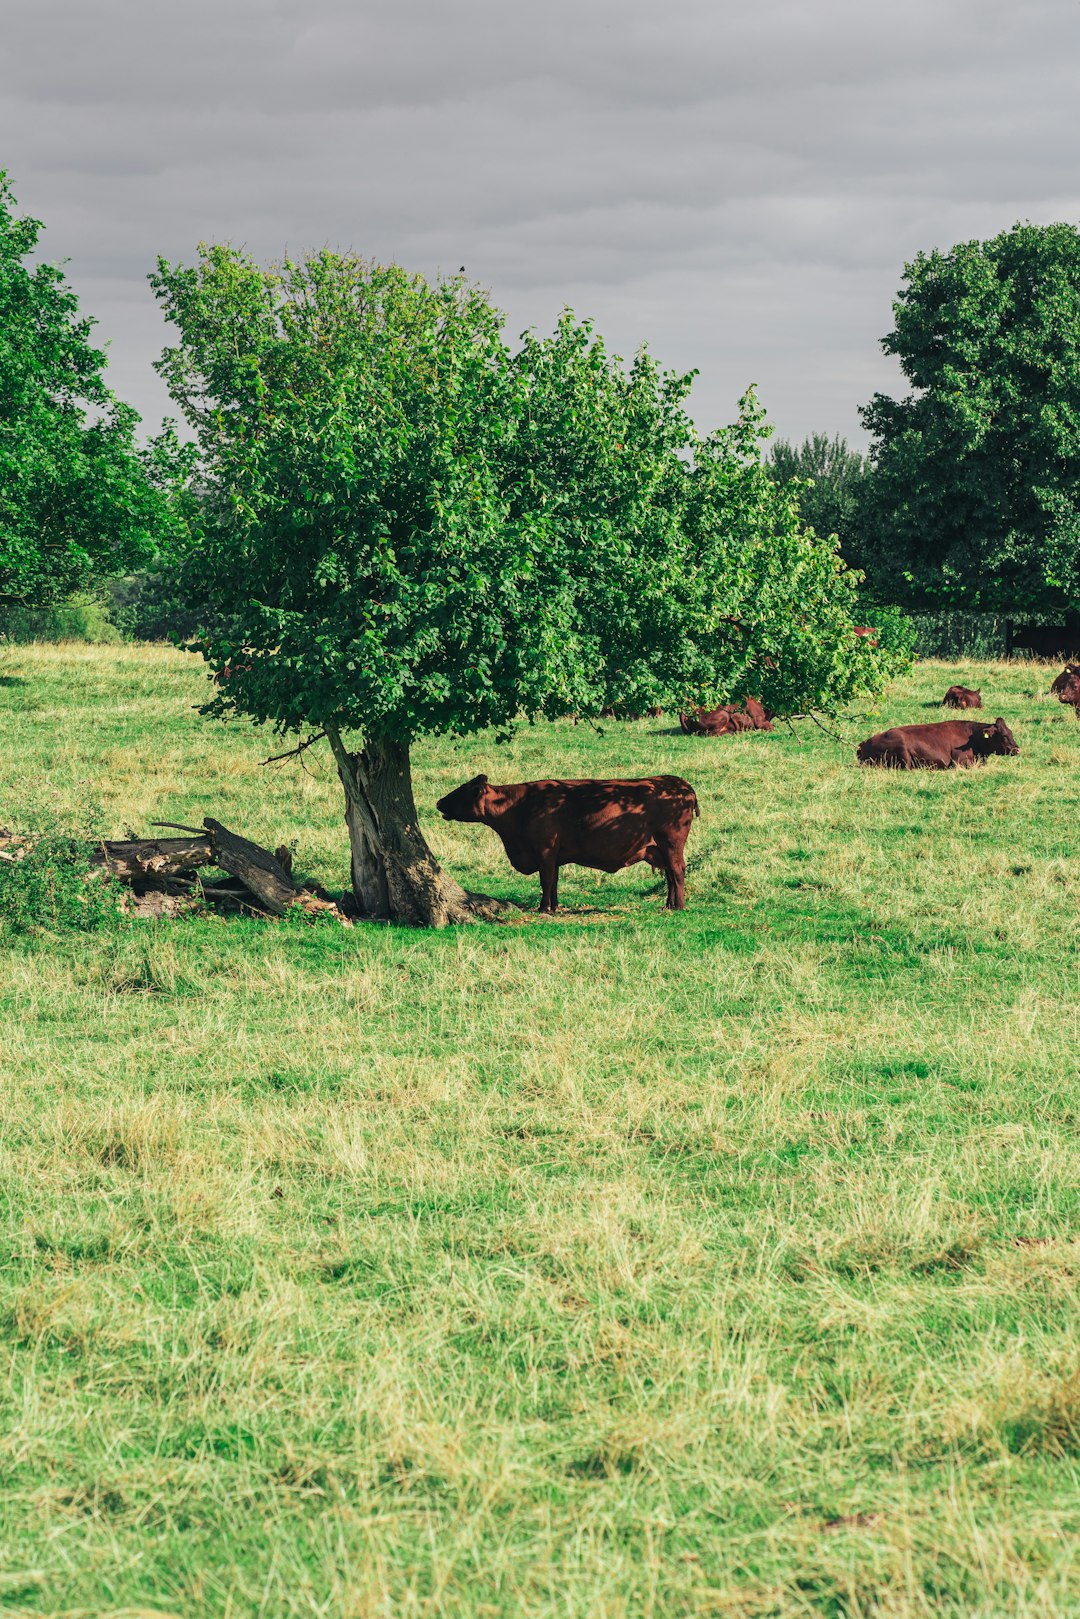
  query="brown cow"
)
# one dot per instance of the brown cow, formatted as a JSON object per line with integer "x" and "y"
{"x": 937, "y": 747}
{"x": 1066, "y": 688}
{"x": 962, "y": 697}
{"x": 604, "y": 824}
{"x": 727, "y": 718}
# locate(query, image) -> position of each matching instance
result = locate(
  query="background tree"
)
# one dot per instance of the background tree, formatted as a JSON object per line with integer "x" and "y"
{"x": 409, "y": 529}
{"x": 76, "y": 497}
{"x": 975, "y": 495}
{"x": 830, "y": 476}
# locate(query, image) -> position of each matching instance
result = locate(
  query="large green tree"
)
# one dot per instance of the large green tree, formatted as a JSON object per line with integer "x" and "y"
{"x": 828, "y": 476}
{"x": 974, "y": 498}
{"x": 409, "y": 528}
{"x": 76, "y": 497}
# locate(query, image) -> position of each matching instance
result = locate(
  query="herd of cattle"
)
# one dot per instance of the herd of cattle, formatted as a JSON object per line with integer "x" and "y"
{"x": 607, "y": 825}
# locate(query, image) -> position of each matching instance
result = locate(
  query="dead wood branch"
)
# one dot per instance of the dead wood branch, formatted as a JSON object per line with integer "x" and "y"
{"x": 294, "y": 753}
{"x": 153, "y": 859}
{"x": 165, "y": 876}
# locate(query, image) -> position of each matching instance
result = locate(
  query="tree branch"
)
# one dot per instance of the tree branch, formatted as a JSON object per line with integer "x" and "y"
{"x": 294, "y": 753}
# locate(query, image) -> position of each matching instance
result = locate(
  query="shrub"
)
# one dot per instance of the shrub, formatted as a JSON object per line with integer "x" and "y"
{"x": 82, "y": 617}
{"x": 161, "y": 605}
{"x": 51, "y": 883}
{"x": 956, "y": 634}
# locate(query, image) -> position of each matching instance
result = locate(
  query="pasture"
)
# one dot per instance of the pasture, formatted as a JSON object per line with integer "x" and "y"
{"x": 623, "y": 1263}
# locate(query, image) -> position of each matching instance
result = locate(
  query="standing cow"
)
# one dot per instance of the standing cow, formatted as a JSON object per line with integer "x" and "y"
{"x": 942, "y": 746}
{"x": 603, "y": 824}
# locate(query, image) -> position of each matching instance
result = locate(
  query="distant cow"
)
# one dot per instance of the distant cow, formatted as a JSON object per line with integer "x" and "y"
{"x": 942, "y": 746}
{"x": 1066, "y": 688}
{"x": 727, "y": 718}
{"x": 1044, "y": 640}
{"x": 604, "y": 824}
{"x": 961, "y": 697}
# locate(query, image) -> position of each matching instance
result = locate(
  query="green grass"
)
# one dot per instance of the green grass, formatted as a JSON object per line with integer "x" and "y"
{"x": 587, "y": 1266}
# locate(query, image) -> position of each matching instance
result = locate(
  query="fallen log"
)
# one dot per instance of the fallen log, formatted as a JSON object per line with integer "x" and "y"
{"x": 256, "y": 867}
{"x": 153, "y": 859}
{"x": 165, "y": 875}
{"x": 266, "y": 875}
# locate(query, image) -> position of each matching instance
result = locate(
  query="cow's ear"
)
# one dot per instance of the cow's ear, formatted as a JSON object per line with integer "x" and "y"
{"x": 999, "y": 724}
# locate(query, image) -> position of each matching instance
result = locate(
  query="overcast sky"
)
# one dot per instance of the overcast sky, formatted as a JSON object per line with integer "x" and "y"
{"x": 737, "y": 184}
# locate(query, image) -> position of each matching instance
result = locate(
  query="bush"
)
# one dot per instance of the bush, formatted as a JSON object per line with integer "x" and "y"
{"x": 897, "y": 635}
{"x": 956, "y": 634}
{"x": 51, "y": 883}
{"x": 82, "y": 617}
{"x": 159, "y": 606}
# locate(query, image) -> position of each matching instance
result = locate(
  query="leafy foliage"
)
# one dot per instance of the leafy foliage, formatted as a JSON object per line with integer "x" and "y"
{"x": 410, "y": 529}
{"x": 829, "y": 476}
{"x": 975, "y": 495}
{"x": 50, "y": 883}
{"x": 161, "y": 604}
{"x": 82, "y": 617}
{"x": 76, "y": 496}
{"x": 956, "y": 634}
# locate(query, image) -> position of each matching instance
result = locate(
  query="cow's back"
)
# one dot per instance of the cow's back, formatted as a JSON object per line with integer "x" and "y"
{"x": 908, "y": 746}
{"x": 603, "y": 824}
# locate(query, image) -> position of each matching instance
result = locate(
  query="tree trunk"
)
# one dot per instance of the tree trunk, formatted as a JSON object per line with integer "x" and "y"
{"x": 395, "y": 876}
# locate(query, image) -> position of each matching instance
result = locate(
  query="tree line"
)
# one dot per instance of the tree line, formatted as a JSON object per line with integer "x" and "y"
{"x": 386, "y": 520}
{"x": 969, "y": 494}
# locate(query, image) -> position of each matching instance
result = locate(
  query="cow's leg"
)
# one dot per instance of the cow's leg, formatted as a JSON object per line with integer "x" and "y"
{"x": 676, "y": 881}
{"x": 549, "y": 883}
{"x": 667, "y": 856}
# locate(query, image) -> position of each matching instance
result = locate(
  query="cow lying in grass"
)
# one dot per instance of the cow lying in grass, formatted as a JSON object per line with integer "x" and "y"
{"x": 727, "y": 718}
{"x": 962, "y": 697}
{"x": 1066, "y": 688}
{"x": 603, "y": 824}
{"x": 943, "y": 746}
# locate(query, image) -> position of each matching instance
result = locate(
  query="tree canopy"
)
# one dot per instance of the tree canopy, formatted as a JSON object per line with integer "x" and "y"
{"x": 409, "y": 528}
{"x": 829, "y": 476}
{"x": 76, "y": 500}
{"x": 974, "y": 498}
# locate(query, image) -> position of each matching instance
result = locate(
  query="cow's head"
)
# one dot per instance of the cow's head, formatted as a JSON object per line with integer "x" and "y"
{"x": 996, "y": 738}
{"x": 465, "y": 803}
{"x": 1067, "y": 685}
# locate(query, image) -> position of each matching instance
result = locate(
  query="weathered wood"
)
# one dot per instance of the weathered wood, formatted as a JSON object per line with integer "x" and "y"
{"x": 264, "y": 875}
{"x": 163, "y": 874}
{"x": 255, "y": 866}
{"x": 159, "y": 905}
{"x": 12, "y": 847}
{"x": 153, "y": 859}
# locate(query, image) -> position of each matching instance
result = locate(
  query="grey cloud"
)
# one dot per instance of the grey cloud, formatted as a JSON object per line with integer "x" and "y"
{"x": 738, "y": 186}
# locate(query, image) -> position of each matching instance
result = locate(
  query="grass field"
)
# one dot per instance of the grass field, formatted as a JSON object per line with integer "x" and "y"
{"x": 722, "y": 1263}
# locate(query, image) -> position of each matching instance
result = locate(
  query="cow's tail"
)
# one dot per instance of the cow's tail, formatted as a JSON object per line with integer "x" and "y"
{"x": 697, "y": 810}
